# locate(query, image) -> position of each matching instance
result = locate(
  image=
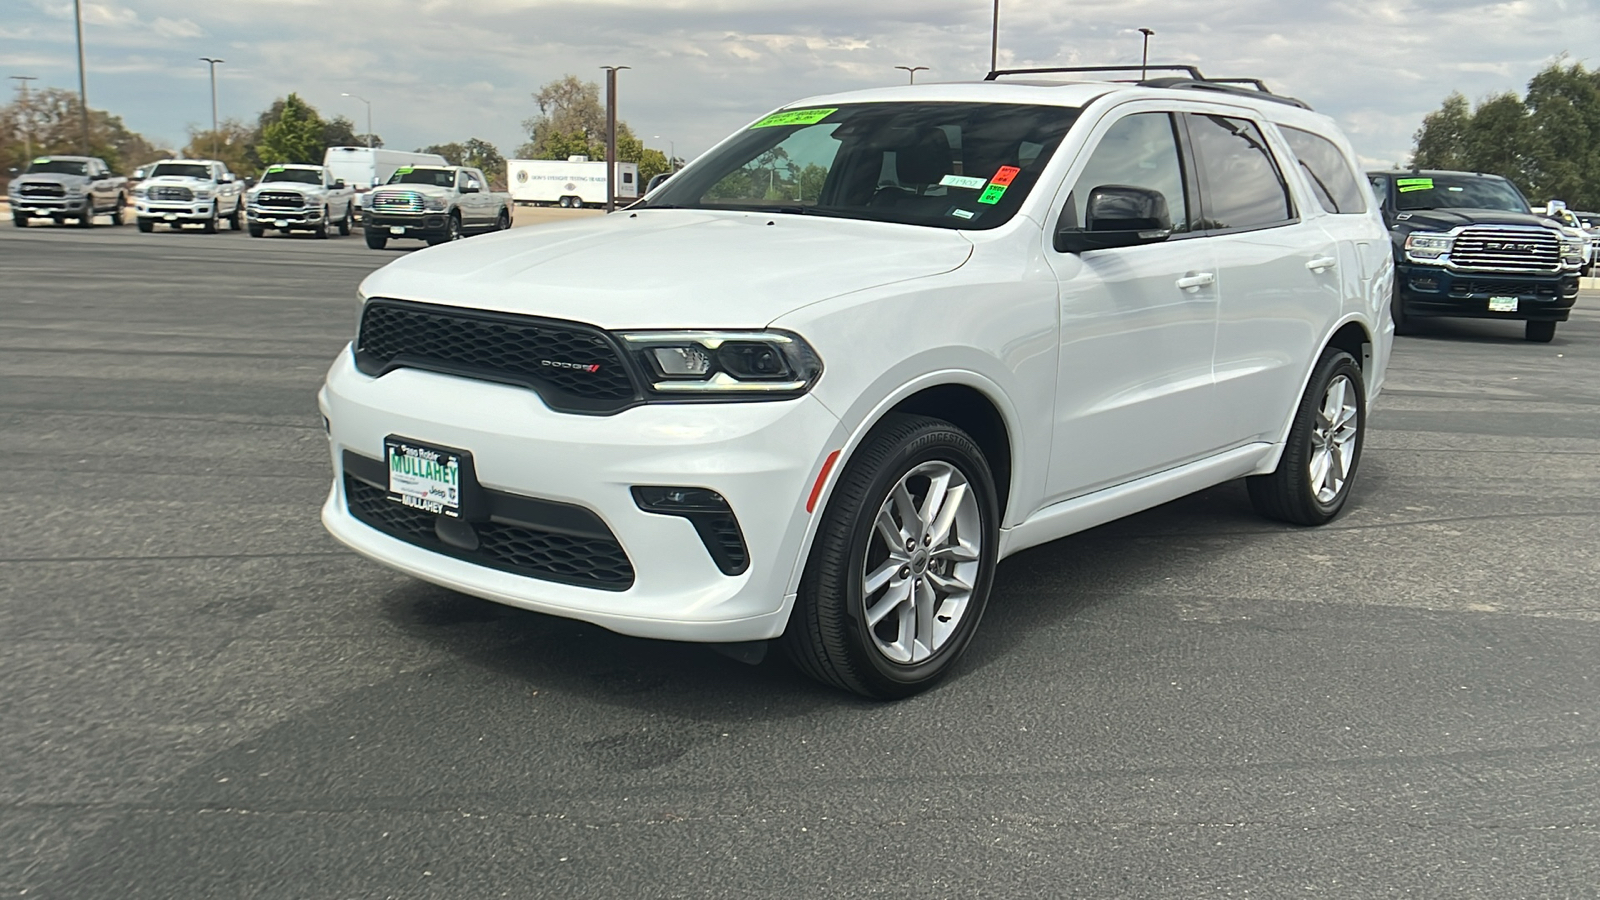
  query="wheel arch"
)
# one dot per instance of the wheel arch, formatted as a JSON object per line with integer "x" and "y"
{"x": 1350, "y": 335}
{"x": 974, "y": 412}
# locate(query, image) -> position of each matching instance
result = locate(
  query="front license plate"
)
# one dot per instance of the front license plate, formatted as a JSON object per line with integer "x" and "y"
{"x": 171, "y": 217}
{"x": 282, "y": 223}
{"x": 1502, "y": 304}
{"x": 423, "y": 477}
{"x": 396, "y": 229}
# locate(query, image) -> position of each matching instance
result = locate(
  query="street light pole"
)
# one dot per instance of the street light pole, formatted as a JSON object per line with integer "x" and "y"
{"x": 912, "y": 71}
{"x": 1145, "y": 64}
{"x": 672, "y": 152}
{"x": 994, "y": 40}
{"x": 369, "y": 116}
{"x": 215, "y": 137}
{"x": 611, "y": 135}
{"x": 83, "y": 79}
{"x": 27, "y": 113}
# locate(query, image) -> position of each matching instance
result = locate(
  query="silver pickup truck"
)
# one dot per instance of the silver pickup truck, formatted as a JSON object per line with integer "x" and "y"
{"x": 435, "y": 204}
{"x": 67, "y": 187}
{"x": 292, "y": 197}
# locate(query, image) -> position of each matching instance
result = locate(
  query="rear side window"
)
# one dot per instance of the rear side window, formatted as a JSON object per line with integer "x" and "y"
{"x": 1138, "y": 151}
{"x": 1241, "y": 186}
{"x": 1329, "y": 172}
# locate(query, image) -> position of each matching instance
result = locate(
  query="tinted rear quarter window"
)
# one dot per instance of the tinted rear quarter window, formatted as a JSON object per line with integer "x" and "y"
{"x": 1241, "y": 186}
{"x": 1331, "y": 177}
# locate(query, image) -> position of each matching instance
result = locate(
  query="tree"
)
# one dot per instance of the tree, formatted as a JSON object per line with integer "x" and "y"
{"x": 1497, "y": 141}
{"x": 1442, "y": 139}
{"x": 233, "y": 143}
{"x": 52, "y": 123}
{"x": 295, "y": 136}
{"x": 454, "y": 154}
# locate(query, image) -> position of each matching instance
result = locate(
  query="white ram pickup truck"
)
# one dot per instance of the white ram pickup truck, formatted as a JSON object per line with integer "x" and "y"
{"x": 436, "y": 204}
{"x": 67, "y": 187}
{"x": 293, "y": 197}
{"x": 189, "y": 192}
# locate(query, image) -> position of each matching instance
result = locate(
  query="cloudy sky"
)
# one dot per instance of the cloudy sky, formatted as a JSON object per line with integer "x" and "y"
{"x": 446, "y": 70}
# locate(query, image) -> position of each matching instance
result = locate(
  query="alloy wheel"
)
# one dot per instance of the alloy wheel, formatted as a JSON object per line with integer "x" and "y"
{"x": 1333, "y": 440}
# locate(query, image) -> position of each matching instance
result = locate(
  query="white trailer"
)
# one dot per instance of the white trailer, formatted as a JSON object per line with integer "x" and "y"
{"x": 366, "y": 167}
{"x": 572, "y": 182}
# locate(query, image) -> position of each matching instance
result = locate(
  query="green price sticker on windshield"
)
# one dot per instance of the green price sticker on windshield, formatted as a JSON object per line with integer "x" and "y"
{"x": 1407, "y": 185}
{"x": 795, "y": 117}
{"x": 404, "y": 170}
{"x": 42, "y": 160}
{"x": 272, "y": 169}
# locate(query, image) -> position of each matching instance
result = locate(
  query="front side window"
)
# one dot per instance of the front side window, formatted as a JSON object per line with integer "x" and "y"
{"x": 1138, "y": 151}
{"x": 419, "y": 175}
{"x": 1240, "y": 184}
{"x": 946, "y": 165}
{"x": 1335, "y": 184}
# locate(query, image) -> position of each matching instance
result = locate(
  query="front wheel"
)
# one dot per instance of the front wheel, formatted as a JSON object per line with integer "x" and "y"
{"x": 1403, "y": 323}
{"x": 118, "y": 216}
{"x": 504, "y": 222}
{"x": 321, "y": 233}
{"x": 19, "y": 219}
{"x": 236, "y": 218}
{"x": 376, "y": 240}
{"x": 86, "y": 218}
{"x": 1540, "y": 332}
{"x": 1318, "y": 466}
{"x": 147, "y": 225}
{"x": 899, "y": 573}
{"x": 212, "y": 223}
{"x": 257, "y": 231}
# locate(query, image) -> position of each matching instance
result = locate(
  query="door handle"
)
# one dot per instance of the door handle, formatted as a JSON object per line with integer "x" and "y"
{"x": 1197, "y": 281}
{"x": 1322, "y": 263}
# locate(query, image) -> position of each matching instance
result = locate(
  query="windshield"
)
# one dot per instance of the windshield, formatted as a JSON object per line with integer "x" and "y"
{"x": 1458, "y": 192}
{"x": 948, "y": 165}
{"x": 436, "y": 177}
{"x": 182, "y": 170}
{"x": 301, "y": 176}
{"x": 58, "y": 167}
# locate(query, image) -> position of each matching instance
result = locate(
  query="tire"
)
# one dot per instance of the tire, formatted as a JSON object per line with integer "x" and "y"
{"x": 1327, "y": 434}
{"x": 346, "y": 223}
{"x": 214, "y": 221}
{"x": 257, "y": 231}
{"x": 119, "y": 214}
{"x": 831, "y": 635}
{"x": 452, "y": 232}
{"x": 1403, "y": 324}
{"x": 504, "y": 222}
{"x": 147, "y": 225}
{"x": 1540, "y": 332}
{"x": 376, "y": 240}
{"x": 321, "y": 233}
{"x": 19, "y": 220}
{"x": 236, "y": 218}
{"x": 86, "y": 217}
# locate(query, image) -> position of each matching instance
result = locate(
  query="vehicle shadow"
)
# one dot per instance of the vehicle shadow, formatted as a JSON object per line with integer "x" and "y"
{"x": 1473, "y": 331}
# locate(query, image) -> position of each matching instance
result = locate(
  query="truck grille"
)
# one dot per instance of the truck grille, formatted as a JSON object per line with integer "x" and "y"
{"x": 573, "y": 367}
{"x": 590, "y": 562}
{"x": 1507, "y": 249}
{"x": 43, "y": 190}
{"x": 396, "y": 202}
{"x": 280, "y": 199}
{"x": 170, "y": 192}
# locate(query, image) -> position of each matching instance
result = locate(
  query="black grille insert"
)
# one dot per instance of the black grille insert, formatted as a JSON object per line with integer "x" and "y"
{"x": 574, "y": 367}
{"x": 592, "y": 562}
{"x": 1463, "y": 288}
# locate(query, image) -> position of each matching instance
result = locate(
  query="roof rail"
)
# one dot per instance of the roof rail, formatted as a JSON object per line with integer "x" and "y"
{"x": 1195, "y": 81}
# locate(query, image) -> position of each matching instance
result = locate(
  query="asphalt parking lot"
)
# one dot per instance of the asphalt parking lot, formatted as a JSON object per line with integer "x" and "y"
{"x": 204, "y": 696}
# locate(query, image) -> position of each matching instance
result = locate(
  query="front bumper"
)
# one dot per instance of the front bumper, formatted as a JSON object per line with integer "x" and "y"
{"x": 762, "y": 457}
{"x": 175, "y": 211}
{"x": 1436, "y": 291}
{"x": 268, "y": 217}
{"x": 424, "y": 225}
{"x": 48, "y": 207}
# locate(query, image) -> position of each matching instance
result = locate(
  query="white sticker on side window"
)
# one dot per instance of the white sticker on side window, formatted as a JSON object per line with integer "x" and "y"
{"x": 964, "y": 181}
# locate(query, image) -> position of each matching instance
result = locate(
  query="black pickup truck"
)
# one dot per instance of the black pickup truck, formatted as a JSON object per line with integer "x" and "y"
{"x": 1468, "y": 244}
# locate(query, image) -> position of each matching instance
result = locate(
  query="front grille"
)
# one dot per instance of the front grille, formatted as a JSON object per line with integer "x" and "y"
{"x": 169, "y": 192}
{"x": 397, "y": 202}
{"x": 1502, "y": 288}
{"x": 549, "y": 556}
{"x": 1507, "y": 248}
{"x": 574, "y": 367}
{"x": 280, "y": 199}
{"x": 43, "y": 190}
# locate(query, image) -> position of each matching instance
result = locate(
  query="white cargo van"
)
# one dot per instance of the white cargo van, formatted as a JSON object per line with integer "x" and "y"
{"x": 573, "y": 182}
{"x": 365, "y": 167}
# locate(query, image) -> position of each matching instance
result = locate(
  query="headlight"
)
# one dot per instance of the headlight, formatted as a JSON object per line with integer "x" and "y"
{"x": 1572, "y": 252}
{"x": 202, "y": 195}
{"x": 75, "y": 190}
{"x": 724, "y": 362}
{"x": 139, "y": 192}
{"x": 1423, "y": 246}
{"x": 434, "y": 203}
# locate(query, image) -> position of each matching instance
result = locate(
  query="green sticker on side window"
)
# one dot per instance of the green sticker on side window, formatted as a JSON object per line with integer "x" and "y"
{"x": 992, "y": 194}
{"x": 1407, "y": 185}
{"x": 795, "y": 117}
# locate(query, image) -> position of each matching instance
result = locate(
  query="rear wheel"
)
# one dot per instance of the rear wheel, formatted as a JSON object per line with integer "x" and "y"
{"x": 376, "y": 240}
{"x": 118, "y": 215}
{"x": 1540, "y": 332}
{"x": 1318, "y": 466}
{"x": 347, "y": 222}
{"x": 899, "y": 574}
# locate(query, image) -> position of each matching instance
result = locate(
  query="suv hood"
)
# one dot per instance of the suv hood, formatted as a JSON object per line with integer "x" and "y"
{"x": 1446, "y": 219}
{"x": 670, "y": 268}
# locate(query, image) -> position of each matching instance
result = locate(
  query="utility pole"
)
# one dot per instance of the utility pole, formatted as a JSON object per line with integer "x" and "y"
{"x": 912, "y": 71}
{"x": 1145, "y": 64}
{"x": 994, "y": 40}
{"x": 83, "y": 80}
{"x": 369, "y": 116}
{"x": 215, "y": 137}
{"x": 611, "y": 135}
{"x": 27, "y": 113}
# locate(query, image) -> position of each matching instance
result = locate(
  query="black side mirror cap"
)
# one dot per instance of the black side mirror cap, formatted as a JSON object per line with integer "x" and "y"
{"x": 657, "y": 181}
{"x": 1119, "y": 215}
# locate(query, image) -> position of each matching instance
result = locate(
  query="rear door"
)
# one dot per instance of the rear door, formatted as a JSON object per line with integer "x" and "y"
{"x": 1278, "y": 275}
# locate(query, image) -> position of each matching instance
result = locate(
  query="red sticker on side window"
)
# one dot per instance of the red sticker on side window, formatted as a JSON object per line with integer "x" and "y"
{"x": 1003, "y": 177}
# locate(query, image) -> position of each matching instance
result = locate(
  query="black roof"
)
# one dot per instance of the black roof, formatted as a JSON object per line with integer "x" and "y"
{"x": 1192, "y": 79}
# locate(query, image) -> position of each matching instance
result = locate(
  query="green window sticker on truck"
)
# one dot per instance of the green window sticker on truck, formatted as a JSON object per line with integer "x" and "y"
{"x": 1408, "y": 185}
{"x": 272, "y": 169}
{"x": 404, "y": 170}
{"x": 40, "y": 160}
{"x": 795, "y": 117}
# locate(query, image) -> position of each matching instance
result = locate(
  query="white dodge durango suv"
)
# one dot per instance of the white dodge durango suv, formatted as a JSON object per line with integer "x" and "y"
{"x": 816, "y": 385}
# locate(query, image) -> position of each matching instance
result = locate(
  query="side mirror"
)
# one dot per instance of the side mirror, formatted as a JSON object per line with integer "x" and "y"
{"x": 1119, "y": 215}
{"x": 339, "y": 183}
{"x": 227, "y": 178}
{"x": 657, "y": 181}
{"x": 472, "y": 188}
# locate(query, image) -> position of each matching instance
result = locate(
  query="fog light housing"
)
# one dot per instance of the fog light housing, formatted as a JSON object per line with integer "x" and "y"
{"x": 709, "y": 513}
